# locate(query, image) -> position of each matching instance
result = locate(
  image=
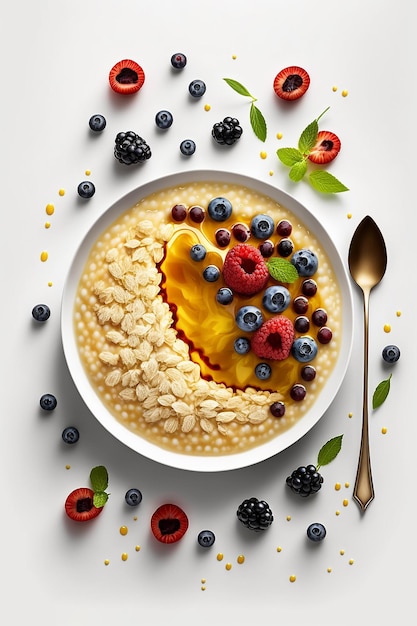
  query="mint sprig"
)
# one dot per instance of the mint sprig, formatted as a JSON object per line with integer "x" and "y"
{"x": 99, "y": 479}
{"x": 381, "y": 392}
{"x": 296, "y": 159}
{"x": 256, "y": 118}
{"x": 282, "y": 270}
{"x": 329, "y": 451}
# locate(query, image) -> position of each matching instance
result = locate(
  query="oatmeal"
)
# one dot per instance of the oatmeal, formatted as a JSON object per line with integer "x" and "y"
{"x": 165, "y": 342}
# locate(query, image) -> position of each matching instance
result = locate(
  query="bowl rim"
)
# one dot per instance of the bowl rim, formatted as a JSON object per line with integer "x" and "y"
{"x": 131, "y": 439}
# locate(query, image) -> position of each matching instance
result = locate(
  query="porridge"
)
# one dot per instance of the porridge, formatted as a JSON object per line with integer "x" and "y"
{"x": 208, "y": 318}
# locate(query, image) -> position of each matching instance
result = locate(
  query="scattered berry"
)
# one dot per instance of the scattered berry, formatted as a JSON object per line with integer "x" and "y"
{"x": 309, "y": 287}
{"x": 169, "y": 523}
{"x": 273, "y": 340}
{"x": 291, "y": 83}
{"x": 222, "y": 236}
{"x": 97, "y": 123}
{"x": 255, "y": 514}
{"x": 130, "y": 148}
{"x": 305, "y": 481}
{"x": 266, "y": 248}
{"x": 178, "y": 60}
{"x": 249, "y": 318}
{"x": 300, "y": 305}
{"x": 219, "y": 209}
{"x": 304, "y": 349}
{"x": 227, "y": 132}
{"x": 48, "y": 402}
{"x": 276, "y": 299}
{"x": 41, "y": 312}
{"x": 241, "y": 232}
{"x": 197, "y": 88}
{"x": 245, "y": 270}
{"x": 391, "y": 354}
{"x": 133, "y": 497}
{"x": 126, "y": 77}
{"x": 326, "y": 148}
{"x": 285, "y": 247}
{"x": 224, "y": 295}
{"x": 70, "y": 435}
{"x": 302, "y": 324}
{"x": 298, "y": 392}
{"x": 187, "y": 147}
{"x": 241, "y": 345}
{"x": 319, "y": 317}
{"x": 79, "y": 505}
{"x": 308, "y": 373}
{"x": 305, "y": 261}
{"x": 284, "y": 228}
{"x": 263, "y": 371}
{"x": 178, "y": 213}
{"x": 197, "y": 214}
{"x": 324, "y": 335}
{"x": 206, "y": 538}
{"x": 316, "y": 532}
{"x": 198, "y": 252}
{"x": 277, "y": 409}
{"x": 262, "y": 226}
{"x": 86, "y": 189}
{"x": 164, "y": 119}
{"x": 211, "y": 273}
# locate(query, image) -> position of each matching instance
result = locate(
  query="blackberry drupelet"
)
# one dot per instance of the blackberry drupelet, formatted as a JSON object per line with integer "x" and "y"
{"x": 255, "y": 514}
{"x": 227, "y": 132}
{"x": 130, "y": 148}
{"x": 305, "y": 480}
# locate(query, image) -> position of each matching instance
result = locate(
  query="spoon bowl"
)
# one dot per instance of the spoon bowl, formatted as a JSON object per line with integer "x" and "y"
{"x": 367, "y": 264}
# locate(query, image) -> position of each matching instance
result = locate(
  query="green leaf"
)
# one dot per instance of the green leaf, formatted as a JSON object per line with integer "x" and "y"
{"x": 329, "y": 451}
{"x": 282, "y": 270}
{"x": 381, "y": 392}
{"x": 99, "y": 478}
{"x": 308, "y": 137}
{"x": 325, "y": 182}
{"x": 234, "y": 84}
{"x": 289, "y": 156}
{"x": 298, "y": 170}
{"x": 258, "y": 123}
{"x": 100, "y": 498}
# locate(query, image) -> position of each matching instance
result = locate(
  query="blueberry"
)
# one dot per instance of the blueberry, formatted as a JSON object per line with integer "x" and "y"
{"x": 305, "y": 261}
{"x": 48, "y": 402}
{"x": 187, "y": 147}
{"x": 211, "y": 273}
{"x": 220, "y": 209}
{"x": 97, "y": 123}
{"x": 241, "y": 345}
{"x": 86, "y": 189}
{"x": 262, "y": 226}
{"x": 391, "y": 354}
{"x": 206, "y": 538}
{"x": 197, "y": 88}
{"x": 178, "y": 60}
{"x": 224, "y": 295}
{"x": 163, "y": 119}
{"x": 304, "y": 349}
{"x": 276, "y": 299}
{"x": 70, "y": 434}
{"x": 316, "y": 532}
{"x": 263, "y": 371}
{"x": 249, "y": 318}
{"x": 41, "y": 312}
{"x": 133, "y": 497}
{"x": 198, "y": 252}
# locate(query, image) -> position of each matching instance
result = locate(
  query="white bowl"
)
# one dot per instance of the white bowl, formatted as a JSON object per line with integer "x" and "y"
{"x": 135, "y": 441}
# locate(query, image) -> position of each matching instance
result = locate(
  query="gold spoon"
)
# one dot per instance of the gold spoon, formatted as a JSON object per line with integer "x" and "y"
{"x": 367, "y": 264}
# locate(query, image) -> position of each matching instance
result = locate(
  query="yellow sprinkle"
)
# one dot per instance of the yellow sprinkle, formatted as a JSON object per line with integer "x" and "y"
{"x": 347, "y": 485}
{"x": 279, "y": 549}
{"x": 329, "y": 569}
{"x": 68, "y": 467}
{"x": 345, "y": 502}
{"x": 288, "y": 518}
{"x": 61, "y": 192}
{"x": 220, "y": 556}
{"x": 240, "y": 559}
{"x": 228, "y": 566}
{"x": 87, "y": 172}
{"x": 47, "y": 224}
{"x": 106, "y": 561}
{"x": 279, "y": 135}
{"x": 263, "y": 154}
{"x": 384, "y": 430}
{"x": 135, "y": 518}
{"x": 123, "y": 530}
{"x": 345, "y": 93}
{"x": 293, "y": 578}
{"x": 334, "y": 88}
{"x": 207, "y": 107}
{"x": 234, "y": 56}
{"x": 49, "y": 209}
{"x": 44, "y": 256}
{"x": 203, "y": 588}
{"x": 124, "y": 556}
{"x": 349, "y": 216}
{"x": 271, "y": 173}
{"x": 49, "y": 283}
{"x": 350, "y": 414}
{"x": 337, "y": 512}
{"x": 351, "y": 561}
{"x": 398, "y": 314}
{"x": 203, "y": 580}
{"x": 342, "y": 552}
{"x": 387, "y": 328}
{"x": 337, "y": 486}
{"x": 137, "y": 548}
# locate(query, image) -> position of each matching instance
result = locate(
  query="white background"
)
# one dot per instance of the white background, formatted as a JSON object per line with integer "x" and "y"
{"x": 55, "y": 59}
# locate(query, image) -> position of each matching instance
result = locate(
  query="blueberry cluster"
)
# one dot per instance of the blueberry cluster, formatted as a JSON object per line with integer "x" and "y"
{"x": 130, "y": 148}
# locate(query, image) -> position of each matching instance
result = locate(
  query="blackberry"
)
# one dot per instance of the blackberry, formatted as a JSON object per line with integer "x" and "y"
{"x": 130, "y": 148}
{"x": 305, "y": 480}
{"x": 227, "y": 132}
{"x": 255, "y": 514}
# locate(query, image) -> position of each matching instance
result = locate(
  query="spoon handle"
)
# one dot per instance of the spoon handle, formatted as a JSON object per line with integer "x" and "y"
{"x": 363, "y": 491}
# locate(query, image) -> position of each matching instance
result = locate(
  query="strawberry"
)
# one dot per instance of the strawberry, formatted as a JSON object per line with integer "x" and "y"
{"x": 245, "y": 270}
{"x": 126, "y": 77}
{"x": 273, "y": 340}
{"x": 326, "y": 148}
{"x": 291, "y": 83}
{"x": 169, "y": 523}
{"x": 79, "y": 505}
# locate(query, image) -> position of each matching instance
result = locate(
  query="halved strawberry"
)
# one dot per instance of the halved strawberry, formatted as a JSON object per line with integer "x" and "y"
{"x": 126, "y": 77}
{"x": 245, "y": 270}
{"x": 326, "y": 148}
{"x": 169, "y": 523}
{"x": 291, "y": 83}
{"x": 273, "y": 340}
{"x": 79, "y": 505}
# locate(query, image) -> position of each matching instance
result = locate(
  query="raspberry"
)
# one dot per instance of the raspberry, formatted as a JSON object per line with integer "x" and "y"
{"x": 273, "y": 340}
{"x": 245, "y": 270}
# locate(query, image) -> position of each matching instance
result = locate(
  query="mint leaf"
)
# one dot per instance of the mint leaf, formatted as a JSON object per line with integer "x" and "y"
{"x": 99, "y": 478}
{"x": 381, "y": 392}
{"x": 297, "y": 171}
{"x": 329, "y": 451}
{"x": 308, "y": 137}
{"x": 234, "y": 84}
{"x": 325, "y": 182}
{"x": 100, "y": 498}
{"x": 282, "y": 270}
{"x": 289, "y": 156}
{"x": 258, "y": 123}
